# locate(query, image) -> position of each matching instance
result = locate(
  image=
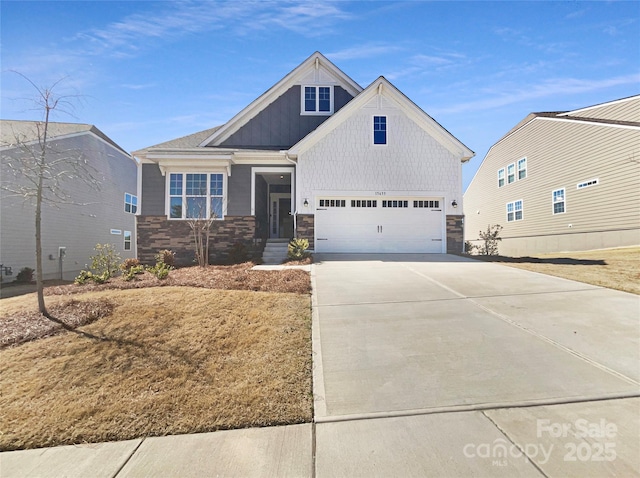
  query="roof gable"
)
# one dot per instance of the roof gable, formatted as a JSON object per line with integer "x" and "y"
{"x": 624, "y": 109}
{"x": 316, "y": 69}
{"x": 386, "y": 91}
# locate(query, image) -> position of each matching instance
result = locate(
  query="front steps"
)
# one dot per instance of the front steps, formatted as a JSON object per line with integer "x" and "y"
{"x": 275, "y": 252}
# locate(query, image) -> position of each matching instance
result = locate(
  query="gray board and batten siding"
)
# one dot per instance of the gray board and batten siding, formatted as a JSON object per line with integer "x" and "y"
{"x": 561, "y": 154}
{"x": 280, "y": 125}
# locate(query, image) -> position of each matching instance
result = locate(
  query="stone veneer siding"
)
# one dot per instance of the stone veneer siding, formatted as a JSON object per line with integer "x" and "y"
{"x": 155, "y": 233}
{"x": 455, "y": 234}
{"x": 305, "y": 227}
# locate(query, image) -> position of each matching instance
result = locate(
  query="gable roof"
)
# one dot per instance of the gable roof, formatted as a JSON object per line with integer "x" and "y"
{"x": 327, "y": 71}
{"x": 184, "y": 142}
{"x": 382, "y": 86}
{"x": 624, "y": 109}
{"x": 12, "y": 131}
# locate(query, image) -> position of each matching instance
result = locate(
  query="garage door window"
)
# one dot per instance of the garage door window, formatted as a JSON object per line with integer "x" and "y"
{"x": 332, "y": 203}
{"x": 364, "y": 203}
{"x": 429, "y": 204}
{"x": 395, "y": 203}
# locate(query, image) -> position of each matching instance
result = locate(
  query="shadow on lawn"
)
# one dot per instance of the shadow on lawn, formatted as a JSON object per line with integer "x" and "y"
{"x": 538, "y": 260}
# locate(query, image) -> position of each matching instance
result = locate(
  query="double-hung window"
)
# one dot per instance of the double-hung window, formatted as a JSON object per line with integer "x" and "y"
{"x": 379, "y": 130}
{"x": 127, "y": 240}
{"x": 500, "y": 177}
{"x": 511, "y": 173}
{"x": 317, "y": 100}
{"x": 130, "y": 203}
{"x": 196, "y": 195}
{"x": 514, "y": 211}
{"x": 558, "y": 201}
{"x": 522, "y": 168}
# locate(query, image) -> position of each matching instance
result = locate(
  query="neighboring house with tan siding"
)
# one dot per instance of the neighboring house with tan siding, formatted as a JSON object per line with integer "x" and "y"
{"x": 563, "y": 181}
{"x": 317, "y": 156}
{"x": 72, "y": 228}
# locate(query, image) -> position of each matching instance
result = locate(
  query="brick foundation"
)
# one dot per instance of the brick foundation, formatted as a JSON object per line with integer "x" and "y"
{"x": 155, "y": 233}
{"x": 455, "y": 234}
{"x": 305, "y": 227}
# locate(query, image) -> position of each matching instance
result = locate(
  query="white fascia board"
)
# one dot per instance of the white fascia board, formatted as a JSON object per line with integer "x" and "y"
{"x": 609, "y": 103}
{"x": 274, "y": 92}
{"x": 384, "y": 87}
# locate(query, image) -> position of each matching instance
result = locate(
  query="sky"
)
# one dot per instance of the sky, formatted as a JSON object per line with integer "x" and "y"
{"x": 145, "y": 72}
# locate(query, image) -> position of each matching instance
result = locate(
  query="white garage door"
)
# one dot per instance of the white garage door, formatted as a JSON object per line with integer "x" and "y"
{"x": 348, "y": 224}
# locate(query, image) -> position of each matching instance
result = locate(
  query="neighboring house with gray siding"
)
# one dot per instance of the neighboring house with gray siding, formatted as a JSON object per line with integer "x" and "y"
{"x": 316, "y": 157}
{"x": 563, "y": 181}
{"x": 70, "y": 228}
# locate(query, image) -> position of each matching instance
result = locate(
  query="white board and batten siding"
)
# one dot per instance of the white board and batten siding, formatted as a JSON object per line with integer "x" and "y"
{"x": 413, "y": 166}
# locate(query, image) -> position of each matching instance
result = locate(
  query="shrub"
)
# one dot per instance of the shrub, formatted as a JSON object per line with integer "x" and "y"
{"x": 83, "y": 277}
{"x": 25, "y": 276}
{"x": 469, "y": 248}
{"x": 104, "y": 263}
{"x": 160, "y": 270}
{"x": 298, "y": 249}
{"x": 166, "y": 256}
{"x": 491, "y": 237}
{"x": 129, "y": 263}
{"x": 132, "y": 272}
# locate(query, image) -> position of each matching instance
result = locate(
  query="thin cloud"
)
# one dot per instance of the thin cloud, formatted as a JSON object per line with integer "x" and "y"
{"x": 368, "y": 50}
{"x": 128, "y": 37}
{"x": 143, "y": 86}
{"x": 548, "y": 88}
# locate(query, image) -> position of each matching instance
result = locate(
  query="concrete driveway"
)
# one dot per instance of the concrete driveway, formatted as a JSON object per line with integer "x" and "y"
{"x": 431, "y": 360}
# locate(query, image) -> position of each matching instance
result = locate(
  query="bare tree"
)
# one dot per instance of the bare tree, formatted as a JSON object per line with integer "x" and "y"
{"x": 40, "y": 169}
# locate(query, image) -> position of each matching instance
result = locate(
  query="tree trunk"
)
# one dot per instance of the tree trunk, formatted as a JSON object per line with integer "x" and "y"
{"x": 41, "y": 171}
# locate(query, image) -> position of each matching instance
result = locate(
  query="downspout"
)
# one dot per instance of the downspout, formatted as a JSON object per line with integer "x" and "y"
{"x": 295, "y": 199}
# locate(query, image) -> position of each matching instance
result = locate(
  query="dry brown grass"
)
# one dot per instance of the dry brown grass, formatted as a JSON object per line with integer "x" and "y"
{"x": 167, "y": 360}
{"x": 613, "y": 268}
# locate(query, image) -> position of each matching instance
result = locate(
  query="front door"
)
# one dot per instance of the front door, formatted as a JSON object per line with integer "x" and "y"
{"x": 281, "y": 220}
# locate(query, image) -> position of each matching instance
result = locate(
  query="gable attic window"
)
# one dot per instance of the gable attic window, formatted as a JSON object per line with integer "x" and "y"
{"x": 196, "y": 195}
{"x": 317, "y": 100}
{"x": 379, "y": 130}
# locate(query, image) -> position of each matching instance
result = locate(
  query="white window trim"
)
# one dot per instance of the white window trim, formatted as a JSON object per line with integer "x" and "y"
{"x": 514, "y": 210}
{"x": 515, "y": 176}
{"x": 167, "y": 197}
{"x": 504, "y": 177}
{"x": 585, "y": 184}
{"x": 523, "y": 169}
{"x": 303, "y": 111}
{"x": 554, "y": 202}
{"x": 373, "y": 119}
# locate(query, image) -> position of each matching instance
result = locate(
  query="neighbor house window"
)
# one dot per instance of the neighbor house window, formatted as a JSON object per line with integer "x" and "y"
{"x": 127, "y": 240}
{"x": 511, "y": 173}
{"x": 501, "y": 177}
{"x": 514, "y": 211}
{"x": 379, "y": 130}
{"x": 522, "y": 168}
{"x": 317, "y": 99}
{"x": 196, "y": 195}
{"x": 558, "y": 201}
{"x": 130, "y": 203}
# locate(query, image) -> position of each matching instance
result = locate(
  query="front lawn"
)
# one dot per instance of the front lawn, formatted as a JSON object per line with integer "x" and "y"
{"x": 157, "y": 361}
